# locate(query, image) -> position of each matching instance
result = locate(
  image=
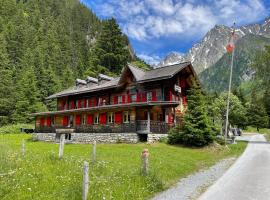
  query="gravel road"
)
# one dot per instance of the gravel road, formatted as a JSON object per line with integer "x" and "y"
{"x": 193, "y": 185}
{"x": 249, "y": 176}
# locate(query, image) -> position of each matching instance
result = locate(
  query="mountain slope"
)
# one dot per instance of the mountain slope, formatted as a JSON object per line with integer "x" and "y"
{"x": 213, "y": 46}
{"x": 47, "y": 45}
{"x": 216, "y": 77}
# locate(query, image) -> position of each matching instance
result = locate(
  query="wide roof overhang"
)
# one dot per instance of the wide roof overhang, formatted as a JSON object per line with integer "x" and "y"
{"x": 108, "y": 107}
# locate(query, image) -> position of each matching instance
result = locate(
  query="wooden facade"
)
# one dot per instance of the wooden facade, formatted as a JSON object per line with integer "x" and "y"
{"x": 137, "y": 101}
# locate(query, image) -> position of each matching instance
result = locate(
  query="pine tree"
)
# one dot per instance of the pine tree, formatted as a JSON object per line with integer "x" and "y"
{"x": 27, "y": 97}
{"x": 6, "y": 84}
{"x": 197, "y": 130}
{"x": 257, "y": 114}
{"x": 111, "y": 47}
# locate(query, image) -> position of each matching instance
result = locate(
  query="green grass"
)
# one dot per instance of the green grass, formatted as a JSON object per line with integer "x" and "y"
{"x": 14, "y": 128}
{"x": 265, "y": 131}
{"x": 116, "y": 174}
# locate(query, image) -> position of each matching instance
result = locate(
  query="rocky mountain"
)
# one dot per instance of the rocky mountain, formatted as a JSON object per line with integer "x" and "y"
{"x": 213, "y": 46}
{"x": 216, "y": 77}
{"x": 170, "y": 59}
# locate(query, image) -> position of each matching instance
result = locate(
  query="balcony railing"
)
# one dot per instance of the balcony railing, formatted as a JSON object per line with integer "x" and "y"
{"x": 140, "y": 126}
{"x": 108, "y": 128}
{"x": 155, "y": 126}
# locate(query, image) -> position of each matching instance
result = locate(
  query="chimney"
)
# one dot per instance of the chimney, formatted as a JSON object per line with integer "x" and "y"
{"x": 104, "y": 78}
{"x": 91, "y": 81}
{"x": 80, "y": 83}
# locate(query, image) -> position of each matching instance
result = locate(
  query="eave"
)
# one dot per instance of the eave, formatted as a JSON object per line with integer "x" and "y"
{"x": 108, "y": 107}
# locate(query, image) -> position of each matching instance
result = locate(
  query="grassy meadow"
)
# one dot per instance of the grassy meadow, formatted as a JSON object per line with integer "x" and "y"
{"x": 265, "y": 131}
{"x": 115, "y": 175}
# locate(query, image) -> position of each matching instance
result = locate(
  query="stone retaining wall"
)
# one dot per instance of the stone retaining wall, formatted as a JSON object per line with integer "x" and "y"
{"x": 155, "y": 137}
{"x": 90, "y": 137}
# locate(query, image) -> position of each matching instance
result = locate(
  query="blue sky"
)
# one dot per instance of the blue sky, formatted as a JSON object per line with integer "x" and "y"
{"x": 157, "y": 27}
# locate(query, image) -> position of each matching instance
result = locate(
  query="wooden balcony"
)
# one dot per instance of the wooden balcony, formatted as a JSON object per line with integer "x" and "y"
{"x": 154, "y": 127}
{"x": 141, "y": 126}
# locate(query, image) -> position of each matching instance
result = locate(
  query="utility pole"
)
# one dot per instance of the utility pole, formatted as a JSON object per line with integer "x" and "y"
{"x": 230, "y": 48}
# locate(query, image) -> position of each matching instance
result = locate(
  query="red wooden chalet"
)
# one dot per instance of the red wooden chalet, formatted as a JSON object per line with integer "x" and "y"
{"x": 136, "y": 105}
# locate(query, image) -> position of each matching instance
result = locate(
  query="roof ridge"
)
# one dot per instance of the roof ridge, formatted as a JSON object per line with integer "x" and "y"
{"x": 170, "y": 65}
{"x": 136, "y": 67}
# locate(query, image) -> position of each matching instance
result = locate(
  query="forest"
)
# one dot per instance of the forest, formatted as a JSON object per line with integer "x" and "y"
{"x": 45, "y": 45}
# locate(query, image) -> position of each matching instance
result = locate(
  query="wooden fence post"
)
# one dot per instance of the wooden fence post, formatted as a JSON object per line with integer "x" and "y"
{"x": 85, "y": 180}
{"x": 23, "y": 148}
{"x": 145, "y": 163}
{"x": 94, "y": 151}
{"x": 61, "y": 146}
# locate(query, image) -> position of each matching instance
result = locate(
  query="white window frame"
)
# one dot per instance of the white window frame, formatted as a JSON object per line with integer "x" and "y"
{"x": 111, "y": 117}
{"x": 126, "y": 117}
{"x": 149, "y": 96}
{"x": 120, "y": 99}
{"x": 133, "y": 97}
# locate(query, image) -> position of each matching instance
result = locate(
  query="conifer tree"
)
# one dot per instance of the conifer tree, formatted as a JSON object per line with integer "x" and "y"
{"x": 196, "y": 130}
{"x": 27, "y": 97}
{"x": 111, "y": 47}
{"x": 6, "y": 84}
{"x": 257, "y": 115}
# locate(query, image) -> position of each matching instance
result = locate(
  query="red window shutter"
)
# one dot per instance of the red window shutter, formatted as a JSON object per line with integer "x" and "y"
{"x": 49, "y": 121}
{"x": 89, "y": 119}
{"x": 79, "y": 104}
{"x": 170, "y": 119}
{"x": 138, "y": 97}
{"x": 184, "y": 100}
{"x": 65, "y": 121}
{"x": 72, "y": 105}
{"x": 144, "y": 97}
{"x": 118, "y": 117}
{"x": 103, "y": 118}
{"x": 128, "y": 98}
{"x": 83, "y": 103}
{"x": 123, "y": 99}
{"x": 115, "y": 100}
{"x": 42, "y": 121}
{"x": 95, "y": 102}
{"x": 89, "y": 102}
{"x": 78, "y": 120}
{"x": 182, "y": 83}
{"x": 170, "y": 93}
{"x": 154, "y": 95}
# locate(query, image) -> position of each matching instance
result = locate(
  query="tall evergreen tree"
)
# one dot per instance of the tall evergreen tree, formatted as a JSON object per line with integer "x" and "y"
{"x": 6, "y": 84}
{"x": 257, "y": 115}
{"x": 27, "y": 97}
{"x": 196, "y": 130}
{"x": 111, "y": 47}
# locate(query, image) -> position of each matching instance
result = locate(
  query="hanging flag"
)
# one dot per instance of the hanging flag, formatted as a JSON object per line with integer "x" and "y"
{"x": 230, "y": 45}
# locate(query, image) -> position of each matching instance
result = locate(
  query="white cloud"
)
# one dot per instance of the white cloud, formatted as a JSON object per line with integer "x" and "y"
{"x": 150, "y": 19}
{"x": 151, "y": 59}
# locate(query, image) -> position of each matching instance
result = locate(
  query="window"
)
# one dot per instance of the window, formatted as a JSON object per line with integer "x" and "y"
{"x": 84, "y": 119}
{"x": 110, "y": 117}
{"x": 149, "y": 96}
{"x": 96, "y": 119}
{"x": 133, "y": 98}
{"x": 119, "y": 99}
{"x": 126, "y": 117}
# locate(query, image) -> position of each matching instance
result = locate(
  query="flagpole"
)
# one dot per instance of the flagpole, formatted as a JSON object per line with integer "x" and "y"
{"x": 228, "y": 99}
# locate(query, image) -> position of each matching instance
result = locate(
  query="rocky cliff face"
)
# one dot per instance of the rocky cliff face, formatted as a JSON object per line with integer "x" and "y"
{"x": 213, "y": 46}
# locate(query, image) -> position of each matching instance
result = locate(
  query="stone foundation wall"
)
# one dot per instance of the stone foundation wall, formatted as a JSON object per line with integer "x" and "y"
{"x": 90, "y": 137}
{"x": 155, "y": 137}
{"x": 48, "y": 137}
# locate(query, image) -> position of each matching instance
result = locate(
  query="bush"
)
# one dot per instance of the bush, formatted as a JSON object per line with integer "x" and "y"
{"x": 14, "y": 128}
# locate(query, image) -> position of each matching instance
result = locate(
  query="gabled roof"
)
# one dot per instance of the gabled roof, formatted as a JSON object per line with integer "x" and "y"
{"x": 163, "y": 72}
{"x": 140, "y": 75}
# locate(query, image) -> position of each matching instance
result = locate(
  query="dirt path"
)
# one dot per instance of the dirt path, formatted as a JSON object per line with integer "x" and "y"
{"x": 193, "y": 185}
{"x": 249, "y": 176}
